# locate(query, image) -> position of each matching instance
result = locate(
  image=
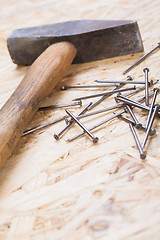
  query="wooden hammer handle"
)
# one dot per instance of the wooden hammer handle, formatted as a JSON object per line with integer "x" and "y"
{"x": 38, "y": 83}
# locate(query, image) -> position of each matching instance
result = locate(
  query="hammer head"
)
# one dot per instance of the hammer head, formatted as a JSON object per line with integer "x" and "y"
{"x": 94, "y": 40}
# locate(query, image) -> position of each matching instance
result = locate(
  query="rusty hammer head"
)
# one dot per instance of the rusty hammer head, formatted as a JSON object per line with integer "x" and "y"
{"x": 93, "y": 39}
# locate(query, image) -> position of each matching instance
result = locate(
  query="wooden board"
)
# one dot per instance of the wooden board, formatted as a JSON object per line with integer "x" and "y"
{"x": 57, "y": 190}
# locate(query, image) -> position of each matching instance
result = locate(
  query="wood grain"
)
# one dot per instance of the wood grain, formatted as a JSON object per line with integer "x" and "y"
{"x": 56, "y": 190}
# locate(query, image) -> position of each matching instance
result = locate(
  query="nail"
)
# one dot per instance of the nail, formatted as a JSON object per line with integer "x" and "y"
{"x": 95, "y": 139}
{"x": 155, "y": 110}
{"x": 152, "y": 131}
{"x": 70, "y": 123}
{"x": 142, "y": 154}
{"x": 98, "y": 101}
{"x": 155, "y": 90}
{"x": 100, "y": 111}
{"x": 141, "y": 99}
{"x": 140, "y": 89}
{"x": 80, "y": 115}
{"x": 104, "y": 93}
{"x": 132, "y": 103}
{"x": 115, "y": 81}
{"x": 127, "y": 119}
{"x": 89, "y": 86}
{"x": 43, "y": 125}
{"x": 129, "y": 109}
{"x": 141, "y": 59}
{"x": 146, "y": 70}
{"x": 60, "y": 106}
{"x": 97, "y": 125}
{"x": 120, "y": 81}
{"x": 104, "y": 97}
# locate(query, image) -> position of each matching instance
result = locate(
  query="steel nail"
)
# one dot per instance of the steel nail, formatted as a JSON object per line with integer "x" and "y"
{"x": 116, "y": 81}
{"x": 155, "y": 110}
{"x": 152, "y": 131}
{"x": 98, "y": 101}
{"x": 129, "y": 78}
{"x": 97, "y": 125}
{"x": 89, "y": 86}
{"x": 141, "y": 99}
{"x": 60, "y": 106}
{"x": 104, "y": 93}
{"x": 137, "y": 103}
{"x": 142, "y": 154}
{"x": 127, "y": 119}
{"x": 141, "y": 59}
{"x": 152, "y": 106}
{"x": 100, "y": 111}
{"x": 140, "y": 89}
{"x": 120, "y": 81}
{"x": 95, "y": 139}
{"x": 133, "y": 92}
{"x": 129, "y": 109}
{"x": 44, "y": 125}
{"x": 132, "y": 103}
{"x": 70, "y": 122}
{"x": 146, "y": 70}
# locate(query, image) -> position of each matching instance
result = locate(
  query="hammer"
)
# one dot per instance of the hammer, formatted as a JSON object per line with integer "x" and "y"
{"x": 51, "y": 49}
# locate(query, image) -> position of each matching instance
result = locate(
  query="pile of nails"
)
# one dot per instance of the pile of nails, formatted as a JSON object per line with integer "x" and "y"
{"x": 123, "y": 102}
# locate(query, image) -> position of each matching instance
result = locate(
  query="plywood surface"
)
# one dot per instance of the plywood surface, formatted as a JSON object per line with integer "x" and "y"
{"x": 57, "y": 190}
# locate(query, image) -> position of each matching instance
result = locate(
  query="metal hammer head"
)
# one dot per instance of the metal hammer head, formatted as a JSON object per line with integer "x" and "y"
{"x": 94, "y": 40}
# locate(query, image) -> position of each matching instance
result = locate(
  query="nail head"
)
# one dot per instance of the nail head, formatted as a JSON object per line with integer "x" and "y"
{"x": 142, "y": 155}
{"x": 129, "y": 78}
{"x": 56, "y": 137}
{"x": 156, "y": 89}
{"x": 152, "y": 132}
{"x": 138, "y": 126}
{"x": 63, "y": 87}
{"x": 146, "y": 69}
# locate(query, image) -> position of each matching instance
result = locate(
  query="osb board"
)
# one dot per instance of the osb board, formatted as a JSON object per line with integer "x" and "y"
{"x": 56, "y": 190}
